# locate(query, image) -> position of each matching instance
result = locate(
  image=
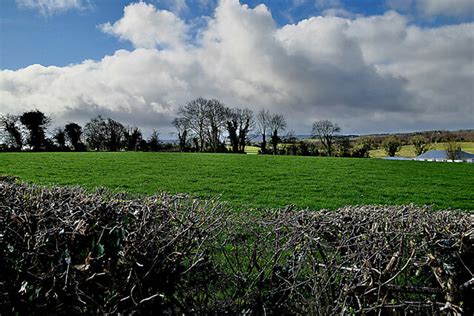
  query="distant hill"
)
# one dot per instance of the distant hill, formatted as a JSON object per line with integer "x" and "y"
{"x": 435, "y": 136}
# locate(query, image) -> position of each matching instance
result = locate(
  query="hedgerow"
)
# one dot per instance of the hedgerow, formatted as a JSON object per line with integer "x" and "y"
{"x": 66, "y": 250}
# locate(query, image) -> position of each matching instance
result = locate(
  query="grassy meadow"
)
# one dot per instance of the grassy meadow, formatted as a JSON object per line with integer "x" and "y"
{"x": 254, "y": 181}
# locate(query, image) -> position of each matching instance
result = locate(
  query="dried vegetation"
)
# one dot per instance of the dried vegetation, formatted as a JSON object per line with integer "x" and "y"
{"x": 64, "y": 250}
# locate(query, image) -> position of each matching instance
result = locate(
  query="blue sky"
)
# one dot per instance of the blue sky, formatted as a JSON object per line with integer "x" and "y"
{"x": 371, "y": 66}
{"x": 28, "y": 37}
{"x": 71, "y": 36}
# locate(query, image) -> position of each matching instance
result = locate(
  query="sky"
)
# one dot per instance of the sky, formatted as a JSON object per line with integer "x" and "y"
{"x": 370, "y": 66}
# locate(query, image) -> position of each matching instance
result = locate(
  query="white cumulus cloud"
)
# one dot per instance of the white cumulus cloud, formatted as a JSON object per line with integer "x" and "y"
{"x": 369, "y": 74}
{"x": 145, "y": 26}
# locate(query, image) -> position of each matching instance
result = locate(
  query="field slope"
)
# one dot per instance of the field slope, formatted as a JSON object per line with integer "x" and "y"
{"x": 251, "y": 181}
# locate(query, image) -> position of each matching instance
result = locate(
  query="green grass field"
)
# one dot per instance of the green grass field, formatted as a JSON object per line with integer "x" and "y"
{"x": 253, "y": 181}
{"x": 409, "y": 150}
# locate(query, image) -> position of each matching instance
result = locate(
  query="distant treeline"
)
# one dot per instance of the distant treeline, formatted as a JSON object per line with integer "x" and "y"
{"x": 27, "y": 132}
{"x": 206, "y": 125}
{"x": 435, "y": 136}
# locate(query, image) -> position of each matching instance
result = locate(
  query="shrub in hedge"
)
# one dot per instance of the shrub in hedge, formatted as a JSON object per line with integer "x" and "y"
{"x": 66, "y": 250}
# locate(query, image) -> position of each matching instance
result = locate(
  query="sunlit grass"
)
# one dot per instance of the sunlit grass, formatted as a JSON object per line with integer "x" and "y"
{"x": 255, "y": 181}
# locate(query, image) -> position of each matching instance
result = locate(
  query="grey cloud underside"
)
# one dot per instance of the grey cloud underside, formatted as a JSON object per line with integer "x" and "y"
{"x": 370, "y": 74}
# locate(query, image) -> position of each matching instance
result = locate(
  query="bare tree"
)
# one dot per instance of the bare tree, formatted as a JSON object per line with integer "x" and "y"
{"x": 9, "y": 124}
{"x": 216, "y": 117}
{"x": 95, "y": 133}
{"x": 263, "y": 122}
{"x": 325, "y": 131}
{"x": 182, "y": 128}
{"x": 239, "y": 123}
{"x": 194, "y": 112}
{"x": 277, "y": 125}
{"x": 206, "y": 121}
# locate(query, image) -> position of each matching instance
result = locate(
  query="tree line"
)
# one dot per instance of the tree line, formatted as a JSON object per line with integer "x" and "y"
{"x": 209, "y": 126}
{"x": 205, "y": 125}
{"x": 28, "y": 131}
{"x": 202, "y": 125}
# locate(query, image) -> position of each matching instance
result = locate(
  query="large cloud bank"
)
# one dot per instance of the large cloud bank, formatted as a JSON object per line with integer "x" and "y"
{"x": 369, "y": 74}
